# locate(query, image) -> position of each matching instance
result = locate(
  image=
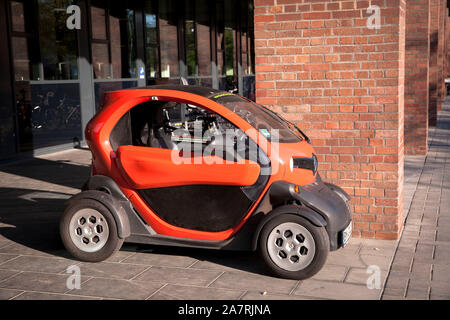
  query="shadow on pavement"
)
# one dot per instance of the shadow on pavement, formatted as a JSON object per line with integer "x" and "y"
{"x": 32, "y": 221}
{"x": 59, "y": 172}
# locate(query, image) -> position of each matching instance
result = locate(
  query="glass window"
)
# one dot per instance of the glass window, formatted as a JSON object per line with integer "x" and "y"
{"x": 168, "y": 39}
{"x": 122, "y": 41}
{"x": 220, "y": 29}
{"x": 189, "y": 39}
{"x": 151, "y": 39}
{"x": 203, "y": 16}
{"x": 113, "y": 40}
{"x": 188, "y": 128}
{"x": 98, "y": 22}
{"x": 22, "y": 70}
{"x": 59, "y": 47}
{"x": 261, "y": 118}
{"x": 18, "y": 16}
{"x": 100, "y": 61}
{"x": 55, "y": 114}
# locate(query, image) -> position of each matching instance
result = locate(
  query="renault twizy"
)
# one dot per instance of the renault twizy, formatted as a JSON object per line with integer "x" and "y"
{"x": 197, "y": 167}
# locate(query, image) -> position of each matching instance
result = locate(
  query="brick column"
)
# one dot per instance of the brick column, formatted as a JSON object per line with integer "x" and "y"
{"x": 416, "y": 76}
{"x": 447, "y": 73}
{"x": 319, "y": 64}
{"x": 433, "y": 63}
{"x": 441, "y": 42}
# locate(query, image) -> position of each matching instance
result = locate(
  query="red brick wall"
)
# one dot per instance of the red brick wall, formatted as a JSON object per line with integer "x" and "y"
{"x": 433, "y": 63}
{"x": 447, "y": 73}
{"x": 447, "y": 47}
{"x": 416, "y": 76}
{"x": 319, "y": 64}
{"x": 441, "y": 47}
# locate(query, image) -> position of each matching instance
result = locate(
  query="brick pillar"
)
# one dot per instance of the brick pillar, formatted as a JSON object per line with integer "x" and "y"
{"x": 447, "y": 73}
{"x": 441, "y": 41}
{"x": 433, "y": 66}
{"x": 319, "y": 64}
{"x": 447, "y": 50}
{"x": 416, "y": 76}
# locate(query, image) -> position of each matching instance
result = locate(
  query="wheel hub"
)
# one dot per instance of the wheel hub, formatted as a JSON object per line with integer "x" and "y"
{"x": 88, "y": 230}
{"x": 291, "y": 246}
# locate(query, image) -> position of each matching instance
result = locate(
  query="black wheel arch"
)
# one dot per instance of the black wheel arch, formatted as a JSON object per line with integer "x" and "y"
{"x": 302, "y": 211}
{"x": 114, "y": 206}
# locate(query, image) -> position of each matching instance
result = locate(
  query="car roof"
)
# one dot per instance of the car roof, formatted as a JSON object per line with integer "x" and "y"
{"x": 198, "y": 90}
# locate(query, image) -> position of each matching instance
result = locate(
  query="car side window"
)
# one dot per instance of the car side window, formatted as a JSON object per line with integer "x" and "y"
{"x": 184, "y": 127}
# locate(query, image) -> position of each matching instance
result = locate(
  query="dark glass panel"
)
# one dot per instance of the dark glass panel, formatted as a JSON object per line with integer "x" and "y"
{"x": 151, "y": 37}
{"x": 101, "y": 87}
{"x": 251, "y": 39}
{"x": 22, "y": 64}
{"x": 17, "y": 16}
{"x": 220, "y": 30}
{"x": 55, "y": 114}
{"x": 98, "y": 21}
{"x": 189, "y": 38}
{"x": 168, "y": 39}
{"x": 203, "y": 16}
{"x": 152, "y": 62}
{"x": 59, "y": 48}
{"x": 122, "y": 42}
{"x": 100, "y": 61}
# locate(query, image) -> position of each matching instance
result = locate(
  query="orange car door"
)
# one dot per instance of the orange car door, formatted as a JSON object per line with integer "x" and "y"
{"x": 202, "y": 193}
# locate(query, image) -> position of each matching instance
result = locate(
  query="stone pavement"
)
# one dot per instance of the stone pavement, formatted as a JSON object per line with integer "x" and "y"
{"x": 421, "y": 267}
{"x": 33, "y": 262}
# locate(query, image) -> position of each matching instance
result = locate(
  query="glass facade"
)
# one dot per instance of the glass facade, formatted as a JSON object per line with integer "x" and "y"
{"x": 59, "y": 74}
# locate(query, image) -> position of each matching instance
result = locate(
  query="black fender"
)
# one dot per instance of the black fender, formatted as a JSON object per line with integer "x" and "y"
{"x": 132, "y": 221}
{"x": 113, "y": 205}
{"x": 340, "y": 192}
{"x": 105, "y": 184}
{"x": 302, "y": 211}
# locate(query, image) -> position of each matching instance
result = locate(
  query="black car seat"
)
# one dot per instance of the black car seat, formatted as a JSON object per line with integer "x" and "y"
{"x": 159, "y": 135}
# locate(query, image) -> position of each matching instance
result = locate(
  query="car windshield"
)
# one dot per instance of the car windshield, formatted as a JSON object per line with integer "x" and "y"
{"x": 261, "y": 118}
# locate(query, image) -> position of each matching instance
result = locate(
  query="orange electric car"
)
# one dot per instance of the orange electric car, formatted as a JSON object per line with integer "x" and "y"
{"x": 198, "y": 167}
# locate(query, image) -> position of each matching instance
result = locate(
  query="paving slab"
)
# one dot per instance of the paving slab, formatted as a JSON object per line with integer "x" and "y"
{"x": 35, "y": 281}
{"x": 336, "y": 291}
{"x": 117, "y": 289}
{"x": 179, "y": 276}
{"x": 50, "y": 296}
{"x": 38, "y": 264}
{"x": 244, "y": 281}
{"x": 177, "y": 292}
{"x": 6, "y": 294}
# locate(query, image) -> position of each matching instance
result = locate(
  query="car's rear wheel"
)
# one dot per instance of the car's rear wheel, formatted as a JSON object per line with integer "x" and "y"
{"x": 292, "y": 247}
{"x": 89, "y": 231}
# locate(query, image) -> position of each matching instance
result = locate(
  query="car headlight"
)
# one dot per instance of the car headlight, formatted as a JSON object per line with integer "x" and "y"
{"x": 306, "y": 163}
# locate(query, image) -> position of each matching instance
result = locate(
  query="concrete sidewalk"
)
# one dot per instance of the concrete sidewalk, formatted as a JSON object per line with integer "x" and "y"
{"x": 421, "y": 267}
{"x": 33, "y": 262}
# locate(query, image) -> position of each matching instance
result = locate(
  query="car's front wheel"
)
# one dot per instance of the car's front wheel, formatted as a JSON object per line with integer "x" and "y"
{"x": 89, "y": 231}
{"x": 292, "y": 247}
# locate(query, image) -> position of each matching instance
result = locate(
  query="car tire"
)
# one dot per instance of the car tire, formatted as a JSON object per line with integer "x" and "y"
{"x": 292, "y": 247}
{"x": 88, "y": 231}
